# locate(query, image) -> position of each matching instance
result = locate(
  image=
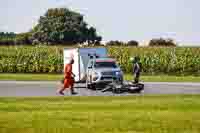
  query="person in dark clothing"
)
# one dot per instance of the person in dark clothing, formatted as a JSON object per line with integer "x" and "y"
{"x": 137, "y": 68}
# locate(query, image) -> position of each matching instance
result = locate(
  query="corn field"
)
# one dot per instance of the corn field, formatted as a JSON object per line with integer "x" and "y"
{"x": 155, "y": 60}
{"x": 27, "y": 59}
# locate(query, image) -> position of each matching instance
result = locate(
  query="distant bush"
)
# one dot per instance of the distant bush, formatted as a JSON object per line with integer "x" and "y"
{"x": 162, "y": 42}
{"x": 132, "y": 43}
{"x": 15, "y": 39}
{"x": 115, "y": 43}
{"x": 120, "y": 43}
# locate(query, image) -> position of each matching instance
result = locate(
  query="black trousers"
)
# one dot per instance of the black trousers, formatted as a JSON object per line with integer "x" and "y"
{"x": 136, "y": 77}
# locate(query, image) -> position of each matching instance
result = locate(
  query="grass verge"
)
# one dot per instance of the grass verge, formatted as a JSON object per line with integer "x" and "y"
{"x": 130, "y": 114}
{"x": 56, "y": 77}
{"x": 31, "y": 77}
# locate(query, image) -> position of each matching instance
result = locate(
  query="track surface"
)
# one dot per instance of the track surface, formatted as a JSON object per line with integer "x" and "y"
{"x": 46, "y": 88}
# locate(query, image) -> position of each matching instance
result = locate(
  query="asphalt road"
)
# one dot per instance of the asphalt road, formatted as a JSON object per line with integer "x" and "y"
{"x": 38, "y": 89}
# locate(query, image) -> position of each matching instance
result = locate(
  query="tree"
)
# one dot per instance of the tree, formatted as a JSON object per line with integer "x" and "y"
{"x": 132, "y": 43}
{"x": 23, "y": 38}
{"x": 115, "y": 43}
{"x": 7, "y": 38}
{"x": 162, "y": 42}
{"x": 60, "y": 25}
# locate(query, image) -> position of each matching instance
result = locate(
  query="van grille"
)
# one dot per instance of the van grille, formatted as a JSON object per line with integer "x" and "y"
{"x": 108, "y": 73}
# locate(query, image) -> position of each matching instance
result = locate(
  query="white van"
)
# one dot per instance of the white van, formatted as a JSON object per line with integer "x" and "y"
{"x": 81, "y": 58}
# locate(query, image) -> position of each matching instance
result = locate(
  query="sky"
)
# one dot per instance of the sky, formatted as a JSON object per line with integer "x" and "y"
{"x": 122, "y": 20}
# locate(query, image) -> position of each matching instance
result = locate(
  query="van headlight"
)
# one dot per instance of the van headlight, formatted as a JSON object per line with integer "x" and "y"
{"x": 119, "y": 73}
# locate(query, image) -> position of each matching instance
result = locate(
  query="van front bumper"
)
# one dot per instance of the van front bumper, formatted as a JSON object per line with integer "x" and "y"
{"x": 107, "y": 79}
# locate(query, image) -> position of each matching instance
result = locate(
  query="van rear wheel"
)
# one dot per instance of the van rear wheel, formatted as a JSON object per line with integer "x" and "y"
{"x": 88, "y": 86}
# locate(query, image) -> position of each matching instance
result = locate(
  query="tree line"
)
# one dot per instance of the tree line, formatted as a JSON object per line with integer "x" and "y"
{"x": 66, "y": 27}
{"x": 10, "y": 38}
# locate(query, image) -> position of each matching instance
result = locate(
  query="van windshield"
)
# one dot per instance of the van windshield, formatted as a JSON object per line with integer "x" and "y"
{"x": 105, "y": 64}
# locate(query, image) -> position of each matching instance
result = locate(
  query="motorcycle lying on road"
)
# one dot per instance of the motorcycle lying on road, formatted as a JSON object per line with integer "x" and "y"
{"x": 118, "y": 86}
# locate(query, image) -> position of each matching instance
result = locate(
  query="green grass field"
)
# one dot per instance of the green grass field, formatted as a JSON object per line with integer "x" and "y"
{"x": 55, "y": 77}
{"x": 130, "y": 114}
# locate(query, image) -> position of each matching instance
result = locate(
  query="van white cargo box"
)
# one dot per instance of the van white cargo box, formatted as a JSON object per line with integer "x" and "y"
{"x": 81, "y": 57}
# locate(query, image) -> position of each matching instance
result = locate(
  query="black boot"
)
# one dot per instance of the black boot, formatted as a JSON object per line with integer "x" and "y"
{"x": 73, "y": 92}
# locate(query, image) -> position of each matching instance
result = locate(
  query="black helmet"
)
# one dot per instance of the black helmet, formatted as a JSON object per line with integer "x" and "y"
{"x": 136, "y": 59}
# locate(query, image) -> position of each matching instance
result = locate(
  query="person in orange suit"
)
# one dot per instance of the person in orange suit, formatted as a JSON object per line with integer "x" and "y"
{"x": 68, "y": 79}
